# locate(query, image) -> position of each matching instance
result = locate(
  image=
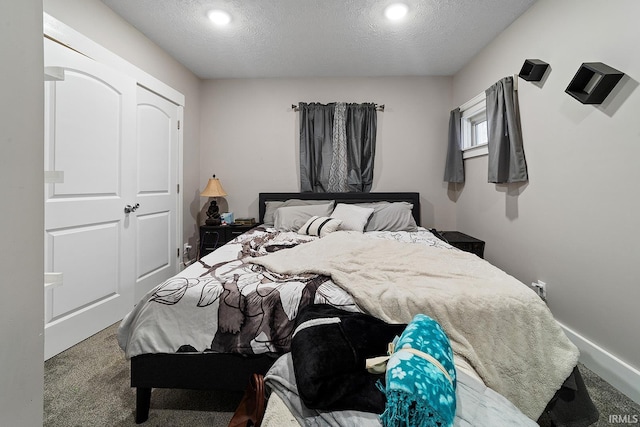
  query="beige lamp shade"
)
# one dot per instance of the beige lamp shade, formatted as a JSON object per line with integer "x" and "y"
{"x": 213, "y": 189}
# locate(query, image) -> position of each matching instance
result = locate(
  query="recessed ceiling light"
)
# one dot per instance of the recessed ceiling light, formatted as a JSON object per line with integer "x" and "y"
{"x": 396, "y": 11}
{"x": 219, "y": 17}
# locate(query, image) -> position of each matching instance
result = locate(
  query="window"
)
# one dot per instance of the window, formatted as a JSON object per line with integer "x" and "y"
{"x": 473, "y": 117}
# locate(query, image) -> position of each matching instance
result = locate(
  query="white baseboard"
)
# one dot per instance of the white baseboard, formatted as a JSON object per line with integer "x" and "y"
{"x": 616, "y": 372}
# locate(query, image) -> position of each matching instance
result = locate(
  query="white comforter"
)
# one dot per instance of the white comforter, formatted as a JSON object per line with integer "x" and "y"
{"x": 226, "y": 305}
{"x": 494, "y": 321}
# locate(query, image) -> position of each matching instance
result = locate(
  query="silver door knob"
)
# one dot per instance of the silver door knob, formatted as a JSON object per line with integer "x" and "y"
{"x": 129, "y": 208}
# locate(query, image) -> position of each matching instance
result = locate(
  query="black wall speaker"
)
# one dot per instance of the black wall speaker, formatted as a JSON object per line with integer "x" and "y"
{"x": 593, "y": 82}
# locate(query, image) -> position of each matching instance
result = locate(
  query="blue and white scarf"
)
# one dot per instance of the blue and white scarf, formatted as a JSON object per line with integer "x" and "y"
{"x": 420, "y": 378}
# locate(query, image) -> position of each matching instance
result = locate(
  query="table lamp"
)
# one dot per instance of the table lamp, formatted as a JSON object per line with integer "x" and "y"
{"x": 213, "y": 189}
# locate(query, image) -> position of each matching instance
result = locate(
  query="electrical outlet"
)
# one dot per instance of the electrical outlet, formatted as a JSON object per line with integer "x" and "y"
{"x": 186, "y": 249}
{"x": 541, "y": 289}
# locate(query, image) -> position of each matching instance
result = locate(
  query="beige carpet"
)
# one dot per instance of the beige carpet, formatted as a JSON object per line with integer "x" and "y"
{"x": 88, "y": 385}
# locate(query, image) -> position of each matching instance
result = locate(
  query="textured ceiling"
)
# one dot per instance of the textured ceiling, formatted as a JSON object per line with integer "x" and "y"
{"x": 320, "y": 38}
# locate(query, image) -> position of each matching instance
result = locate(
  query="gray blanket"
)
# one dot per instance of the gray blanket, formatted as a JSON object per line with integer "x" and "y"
{"x": 477, "y": 405}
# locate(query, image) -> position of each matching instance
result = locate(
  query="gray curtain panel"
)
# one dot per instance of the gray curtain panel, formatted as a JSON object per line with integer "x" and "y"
{"x": 317, "y": 123}
{"x": 316, "y": 130}
{"x": 362, "y": 124}
{"x": 454, "y": 167}
{"x": 506, "y": 153}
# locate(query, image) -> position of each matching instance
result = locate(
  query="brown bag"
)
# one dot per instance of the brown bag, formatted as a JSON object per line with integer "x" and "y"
{"x": 252, "y": 406}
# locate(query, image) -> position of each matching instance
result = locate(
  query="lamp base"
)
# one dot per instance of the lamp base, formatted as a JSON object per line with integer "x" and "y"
{"x": 213, "y": 214}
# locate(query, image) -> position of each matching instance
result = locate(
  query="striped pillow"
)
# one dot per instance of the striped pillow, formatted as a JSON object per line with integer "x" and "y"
{"x": 320, "y": 226}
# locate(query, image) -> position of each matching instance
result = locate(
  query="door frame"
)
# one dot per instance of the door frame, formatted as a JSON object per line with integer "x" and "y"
{"x": 71, "y": 38}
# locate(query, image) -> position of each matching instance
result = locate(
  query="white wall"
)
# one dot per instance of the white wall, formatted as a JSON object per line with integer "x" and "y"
{"x": 575, "y": 225}
{"x": 22, "y": 213}
{"x": 250, "y": 136}
{"x": 96, "y": 21}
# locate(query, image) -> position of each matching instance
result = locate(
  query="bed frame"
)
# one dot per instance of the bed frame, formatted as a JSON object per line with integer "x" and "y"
{"x": 413, "y": 198}
{"x": 221, "y": 371}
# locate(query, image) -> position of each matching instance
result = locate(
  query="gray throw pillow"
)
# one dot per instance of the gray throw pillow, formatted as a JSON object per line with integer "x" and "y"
{"x": 271, "y": 206}
{"x": 292, "y": 218}
{"x": 390, "y": 216}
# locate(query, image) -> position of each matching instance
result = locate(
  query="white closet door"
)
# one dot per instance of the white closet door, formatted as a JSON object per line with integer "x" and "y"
{"x": 157, "y": 182}
{"x": 90, "y": 136}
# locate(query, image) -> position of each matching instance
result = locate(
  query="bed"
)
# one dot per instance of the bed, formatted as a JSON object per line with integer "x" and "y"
{"x": 200, "y": 370}
{"x": 247, "y": 301}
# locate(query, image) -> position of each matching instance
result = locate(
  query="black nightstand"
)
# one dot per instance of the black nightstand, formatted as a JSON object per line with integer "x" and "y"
{"x": 464, "y": 242}
{"x": 214, "y": 236}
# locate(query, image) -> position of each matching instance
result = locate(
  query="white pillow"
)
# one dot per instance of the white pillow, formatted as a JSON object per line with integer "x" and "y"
{"x": 291, "y": 218}
{"x": 353, "y": 217}
{"x": 320, "y": 226}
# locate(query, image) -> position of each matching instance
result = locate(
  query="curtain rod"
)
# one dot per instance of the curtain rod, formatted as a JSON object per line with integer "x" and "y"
{"x": 378, "y": 107}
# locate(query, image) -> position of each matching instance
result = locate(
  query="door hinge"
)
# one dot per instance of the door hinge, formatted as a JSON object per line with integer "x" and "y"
{"x": 178, "y": 252}
{"x": 178, "y": 188}
{"x": 178, "y": 124}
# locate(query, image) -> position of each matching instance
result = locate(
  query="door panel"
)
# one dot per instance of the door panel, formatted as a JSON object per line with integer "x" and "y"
{"x": 152, "y": 258}
{"x": 90, "y": 136}
{"x": 157, "y": 142}
{"x": 87, "y": 127}
{"x": 97, "y": 280}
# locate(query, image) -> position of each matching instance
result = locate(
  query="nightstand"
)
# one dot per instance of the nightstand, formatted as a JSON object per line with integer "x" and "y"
{"x": 464, "y": 242}
{"x": 214, "y": 236}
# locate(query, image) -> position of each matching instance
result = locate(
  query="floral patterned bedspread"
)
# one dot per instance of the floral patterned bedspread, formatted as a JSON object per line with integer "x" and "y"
{"x": 224, "y": 304}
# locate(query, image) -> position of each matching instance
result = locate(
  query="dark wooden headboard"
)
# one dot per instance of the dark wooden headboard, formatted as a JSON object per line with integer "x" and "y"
{"x": 413, "y": 198}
